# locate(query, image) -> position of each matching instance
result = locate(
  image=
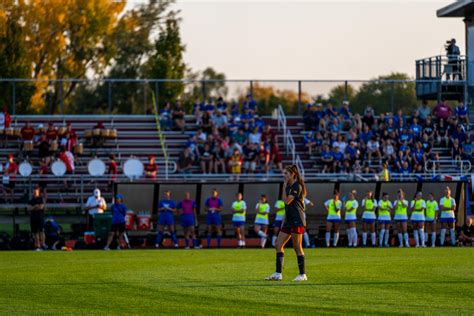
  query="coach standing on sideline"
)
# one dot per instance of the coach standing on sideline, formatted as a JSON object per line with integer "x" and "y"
{"x": 119, "y": 210}
{"x": 36, "y": 211}
{"x": 95, "y": 205}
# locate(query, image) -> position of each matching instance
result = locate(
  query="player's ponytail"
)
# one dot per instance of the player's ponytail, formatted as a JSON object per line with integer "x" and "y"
{"x": 293, "y": 169}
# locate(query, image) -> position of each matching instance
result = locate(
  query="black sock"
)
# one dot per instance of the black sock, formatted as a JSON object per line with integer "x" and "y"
{"x": 301, "y": 264}
{"x": 279, "y": 261}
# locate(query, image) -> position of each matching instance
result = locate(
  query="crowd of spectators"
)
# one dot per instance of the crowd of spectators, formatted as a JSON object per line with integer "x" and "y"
{"x": 230, "y": 139}
{"x": 42, "y": 145}
{"x": 346, "y": 142}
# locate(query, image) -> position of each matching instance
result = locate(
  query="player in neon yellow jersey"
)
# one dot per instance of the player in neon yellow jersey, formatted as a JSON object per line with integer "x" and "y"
{"x": 369, "y": 205}
{"x": 432, "y": 209}
{"x": 350, "y": 218}
{"x": 279, "y": 215}
{"x": 401, "y": 217}
{"x": 239, "y": 210}
{"x": 417, "y": 217}
{"x": 385, "y": 219}
{"x": 447, "y": 206}
{"x": 333, "y": 207}
{"x": 261, "y": 219}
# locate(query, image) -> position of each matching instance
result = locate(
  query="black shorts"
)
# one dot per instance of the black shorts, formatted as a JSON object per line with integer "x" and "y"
{"x": 37, "y": 224}
{"x": 118, "y": 227}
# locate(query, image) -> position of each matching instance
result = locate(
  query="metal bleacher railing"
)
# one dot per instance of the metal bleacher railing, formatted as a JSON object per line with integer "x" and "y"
{"x": 161, "y": 136}
{"x": 448, "y": 166}
{"x": 288, "y": 140}
{"x": 111, "y": 99}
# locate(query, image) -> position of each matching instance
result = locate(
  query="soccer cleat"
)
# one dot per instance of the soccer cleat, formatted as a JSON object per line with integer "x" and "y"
{"x": 106, "y": 248}
{"x": 118, "y": 248}
{"x": 157, "y": 245}
{"x": 39, "y": 249}
{"x": 301, "y": 277}
{"x": 400, "y": 246}
{"x": 176, "y": 246}
{"x": 187, "y": 248}
{"x": 274, "y": 277}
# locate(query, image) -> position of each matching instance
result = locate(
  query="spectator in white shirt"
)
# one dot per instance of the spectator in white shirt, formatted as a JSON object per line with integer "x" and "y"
{"x": 373, "y": 148}
{"x": 255, "y": 136}
{"x": 95, "y": 205}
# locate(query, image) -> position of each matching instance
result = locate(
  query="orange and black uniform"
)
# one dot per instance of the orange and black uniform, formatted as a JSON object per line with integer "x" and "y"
{"x": 52, "y": 134}
{"x": 295, "y": 220}
{"x": 27, "y": 133}
{"x": 151, "y": 167}
{"x": 36, "y": 216}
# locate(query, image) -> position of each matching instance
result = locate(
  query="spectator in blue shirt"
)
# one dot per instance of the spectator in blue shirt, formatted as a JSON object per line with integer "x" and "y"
{"x": 247, "y": 117}
{"x": 318, "y": 114}
{"x": 462, "y": 113}
{"x": 235, "y": 109}
{"x": 165, "y": 117}
{"x": 221, "y": 106}
{"x": 166, "y": 211}
{"x": 345, "y": 110}
{"x": 403, "y": 136}
{"x": 352, "y": 151}
{"x": 318, "y": 141}
{"x": 209, "y": 107}
{"x": 119, "y": 210}
{"x": 366, "y": 134}
{"x": 335, "y": 126}
{"x": 309, "y": 142}
{"x": 336, "y": 154}
{"x": 250, "y": 104}
{"x": 390, "y": 126}
{"x": 404, "y": 146}
{"x": 259, "y": 122}
{"x": 424, "y": 110}
{"x": 467, "y": 149}
{"x": 399, "y": 119}
{"x": 326, "y": 158}
{"x": 416, "y": 129}
{"x": 405, "y": 169}
{"x": 331, "y": 111}
{"x": 459, "y": 134}
{"x": 418, "y": 153}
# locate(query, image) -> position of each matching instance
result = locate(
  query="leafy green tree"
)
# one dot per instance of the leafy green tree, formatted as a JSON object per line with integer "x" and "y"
{"x": 386, "y": 97}
{"x": 167, "y": 61}
{"x": 340, "y": 93}
{"x": 133, "y": 47}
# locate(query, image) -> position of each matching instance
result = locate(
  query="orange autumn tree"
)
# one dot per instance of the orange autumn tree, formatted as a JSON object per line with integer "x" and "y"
{"x": 56, "y": 39}
{"x": 269, "y": 97}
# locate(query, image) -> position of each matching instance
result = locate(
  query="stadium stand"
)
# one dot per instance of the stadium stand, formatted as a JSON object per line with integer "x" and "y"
{"x": 137, "y": 137}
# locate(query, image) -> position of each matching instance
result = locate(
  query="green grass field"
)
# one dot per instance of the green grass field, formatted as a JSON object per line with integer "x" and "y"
{"x": 362, "y": 281}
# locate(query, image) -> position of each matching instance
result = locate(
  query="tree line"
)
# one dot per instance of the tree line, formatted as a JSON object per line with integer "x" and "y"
{"x": 101, "y": 39}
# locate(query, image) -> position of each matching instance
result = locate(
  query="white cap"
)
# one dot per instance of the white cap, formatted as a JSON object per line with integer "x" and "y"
{"x": 345, "y": 102}
{"x": 97, "y": 193}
